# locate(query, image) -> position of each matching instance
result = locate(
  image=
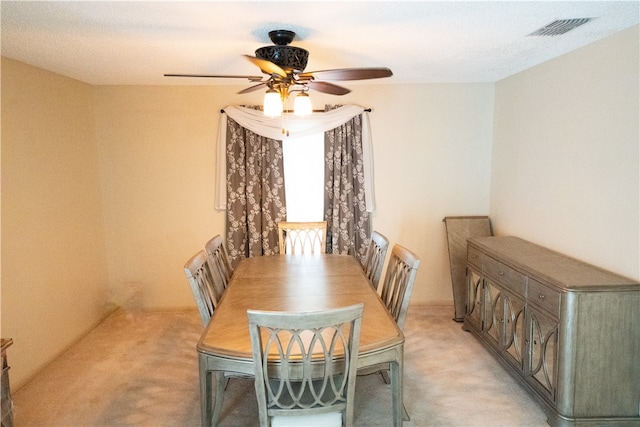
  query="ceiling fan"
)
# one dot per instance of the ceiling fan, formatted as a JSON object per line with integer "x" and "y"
{"x": 283, "y": 67}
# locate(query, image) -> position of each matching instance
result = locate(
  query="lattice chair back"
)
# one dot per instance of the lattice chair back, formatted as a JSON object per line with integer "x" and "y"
{"x": 302, "y": 237}
{"x": 305, "y": 365}
{"x": 374, "y": 258}
{"x": 202, "y": 285}
{"x": 219, "y": 260}
{"x": 398, "y": 282}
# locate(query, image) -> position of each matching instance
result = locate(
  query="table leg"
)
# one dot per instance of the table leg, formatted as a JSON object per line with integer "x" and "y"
{"x": 211, "y": 403}
{"x": 205, "y": 397}
{"x": 387, "y": 380}
{"x": 218, "y": 398}
{"x": 396, "y": 388}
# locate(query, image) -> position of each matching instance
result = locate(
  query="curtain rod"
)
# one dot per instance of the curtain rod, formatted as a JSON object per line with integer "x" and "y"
{"x": 368, "y": 110}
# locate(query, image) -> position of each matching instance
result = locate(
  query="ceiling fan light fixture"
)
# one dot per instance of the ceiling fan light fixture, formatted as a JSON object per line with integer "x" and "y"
{"x": 302, "y": 104}
{"x": 272, "y": 105}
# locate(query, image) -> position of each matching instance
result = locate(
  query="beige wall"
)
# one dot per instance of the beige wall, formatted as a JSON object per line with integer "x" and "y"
{"x": 54, "y": 276}
{"x": 157, "y": 157}
{"x": 157, "y": 163}
{"x": 565, "y": 168}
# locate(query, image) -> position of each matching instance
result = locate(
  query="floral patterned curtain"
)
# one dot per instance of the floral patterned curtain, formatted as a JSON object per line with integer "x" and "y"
{"x": 348, "y": 222}
{"x": 255, "y": 193}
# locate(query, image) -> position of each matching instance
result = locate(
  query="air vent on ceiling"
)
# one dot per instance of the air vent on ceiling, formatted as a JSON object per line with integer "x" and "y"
{"x": 560, "y": 26}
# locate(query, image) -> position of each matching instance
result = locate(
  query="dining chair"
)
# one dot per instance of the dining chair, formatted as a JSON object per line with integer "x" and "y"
{"x": 302, "y": 237}
{"x": 374, "y": 258}
{"x": 305, "y": 365}
{"x": 202, "y": 285}
{"x": 398, "y": 282}
{"x": 207, "y": 295}
{"x": 396, "y": 293}
{"x": 219, "y": 260}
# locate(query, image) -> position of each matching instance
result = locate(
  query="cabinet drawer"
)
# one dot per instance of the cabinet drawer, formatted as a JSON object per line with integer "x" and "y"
{"x": 544, "y": 297}
{"x": 506, "y": 276}
{"x": 474, "y": 257}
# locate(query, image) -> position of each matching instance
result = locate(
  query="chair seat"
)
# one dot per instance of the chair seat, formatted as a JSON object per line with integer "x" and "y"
{"x": 327, "y": 419}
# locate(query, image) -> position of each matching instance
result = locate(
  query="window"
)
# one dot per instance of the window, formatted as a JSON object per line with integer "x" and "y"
{"x": 304, "y": 177}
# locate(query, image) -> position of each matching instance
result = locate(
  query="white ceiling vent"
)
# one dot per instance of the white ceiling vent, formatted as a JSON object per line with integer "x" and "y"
{"x": 560, "y": 26}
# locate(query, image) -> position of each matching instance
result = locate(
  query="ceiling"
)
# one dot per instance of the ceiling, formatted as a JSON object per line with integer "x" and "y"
{"x": 126, "y": 43}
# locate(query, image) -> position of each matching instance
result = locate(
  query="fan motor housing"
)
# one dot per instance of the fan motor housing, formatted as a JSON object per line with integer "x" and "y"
{"x": 286, "y": 57}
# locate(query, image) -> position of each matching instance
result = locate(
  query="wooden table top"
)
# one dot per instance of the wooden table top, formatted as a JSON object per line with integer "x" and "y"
{"x": 295, "y": 283}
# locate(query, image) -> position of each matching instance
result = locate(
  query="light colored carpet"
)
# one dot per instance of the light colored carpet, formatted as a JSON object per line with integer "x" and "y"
{"x": 141, "y": 369}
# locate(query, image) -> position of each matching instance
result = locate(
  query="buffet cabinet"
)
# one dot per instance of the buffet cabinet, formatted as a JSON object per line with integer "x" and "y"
{"x": 567, "y": 331}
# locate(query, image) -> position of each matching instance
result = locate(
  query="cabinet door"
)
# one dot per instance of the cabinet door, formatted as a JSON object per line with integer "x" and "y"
{"x": 474, "y": 299}
{"x": 514, "y": 330}
{"x": 543, "y": 352}
{"x": 494, "y": 320}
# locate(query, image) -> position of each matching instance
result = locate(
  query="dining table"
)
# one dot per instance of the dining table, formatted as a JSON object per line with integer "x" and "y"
{"x": 293, "y": 283}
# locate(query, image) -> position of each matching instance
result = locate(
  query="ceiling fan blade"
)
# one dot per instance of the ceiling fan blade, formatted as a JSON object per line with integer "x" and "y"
{"x": 347, "y": 74}
{"x": 329, "y": 88}
{"x": 267, "y": 67}
{"x": 217, "y": 76}
{"x": 252, "y": 88}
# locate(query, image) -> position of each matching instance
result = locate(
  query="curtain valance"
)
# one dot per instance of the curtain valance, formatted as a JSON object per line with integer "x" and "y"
{"x": 296, "y": 126}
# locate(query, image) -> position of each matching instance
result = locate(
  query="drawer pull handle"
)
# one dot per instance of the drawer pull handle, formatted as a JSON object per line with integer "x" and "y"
{"x": 501, "y": 273}
{"x": 541, "y": 296}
